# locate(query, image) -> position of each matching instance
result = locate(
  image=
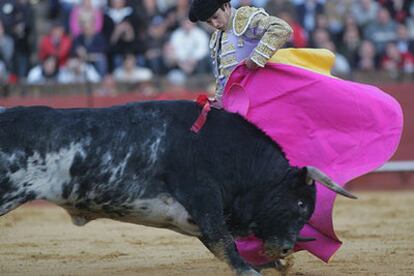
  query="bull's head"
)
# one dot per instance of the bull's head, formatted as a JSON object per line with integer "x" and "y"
{"x": 287, "y": 207}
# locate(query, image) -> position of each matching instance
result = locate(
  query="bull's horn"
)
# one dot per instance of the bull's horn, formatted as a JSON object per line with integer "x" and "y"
{"x": 305, "y": 239}
{"x": 322, "y": 178}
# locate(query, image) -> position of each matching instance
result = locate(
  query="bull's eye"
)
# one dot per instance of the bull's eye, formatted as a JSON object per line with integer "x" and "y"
{"x": 301, "y": 204}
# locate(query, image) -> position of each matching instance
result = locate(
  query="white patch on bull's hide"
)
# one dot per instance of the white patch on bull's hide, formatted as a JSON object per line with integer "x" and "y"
{"x": 47, "y": 175}
{"x": 163, "y": 211}
{"x": 119, "y": 169}
{"x": 153, "y": 146}
{"x": 154, "y": 150}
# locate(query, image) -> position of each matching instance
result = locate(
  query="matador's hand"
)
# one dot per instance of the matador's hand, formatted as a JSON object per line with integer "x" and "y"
{"x": 250, "y": 64}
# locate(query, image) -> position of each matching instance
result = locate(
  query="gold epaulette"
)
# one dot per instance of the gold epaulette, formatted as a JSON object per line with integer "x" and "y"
{"x": 243, "y": 18}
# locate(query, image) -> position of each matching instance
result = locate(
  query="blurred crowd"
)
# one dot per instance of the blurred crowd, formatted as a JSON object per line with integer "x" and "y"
{"x": 133, "y": 40}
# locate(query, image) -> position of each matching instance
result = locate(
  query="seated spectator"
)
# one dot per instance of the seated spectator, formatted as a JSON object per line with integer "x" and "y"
{"x": 351, "y": 42}
{"x": 85, "y": 14}
{"x": 336, "y": 12}
{"x": 381, "y": 31}
{"x": 395, "y": 62}
{"x": 4, "y": 80}
{"x": 341, "y": 66}
{"x": 150, "y": 9}
{"x": 56, "y": 43}
{"x": 276, "y": 7}
{"x": 404, "y": 42}
{"x": 17, "y": 18}
{"x": 298, "y": 39}
{"x": 307, "y": 13}
{"x": 176, "y": 14}
{"x": 188, "y": 49}
{"x": 365, "y": 11}
{"x": 123, "y": 32}
{"x": 129, "y": 72}
{"x": 4, "y": 74}
{"x": 46, "y": 72}
{"x": 399, "y": 9}
{"x": 78, "y": 71}
{"x": 367, "y": 58}
{"x": 91, "y": 47}
{"x": 319, "y": 38}
{"x": 6, "y": 47}
{"x": 156, "y": 39}
{"x": 65, "y": 8}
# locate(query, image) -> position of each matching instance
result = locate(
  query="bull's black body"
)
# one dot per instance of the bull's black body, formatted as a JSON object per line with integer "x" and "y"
{"x": 141, "y": 163}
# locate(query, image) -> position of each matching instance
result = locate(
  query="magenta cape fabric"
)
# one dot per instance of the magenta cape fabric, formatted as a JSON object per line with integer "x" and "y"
{"x": 343, "y": 128}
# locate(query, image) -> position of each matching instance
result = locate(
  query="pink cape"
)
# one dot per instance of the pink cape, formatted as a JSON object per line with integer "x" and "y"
{"x": 343, "y": 128}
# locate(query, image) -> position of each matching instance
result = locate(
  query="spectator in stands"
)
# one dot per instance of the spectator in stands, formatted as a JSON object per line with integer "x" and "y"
{"x": 129, "y": 72}
{"x": 395, "y": 62}
{"x": 46, "y": 72}
{"x": 175, "y": 15}
{"x": 17, "y": 16}
{"x": 65, "y": 8}
{"x": 307, "y": 13}
{"x": 6, "y": 48}
{"x": 4, "y": 74}
{"x": 351, "y": 41}
{"x": 367, "y": 59}
{"x": 319, "y": 38}
{"x": 189, "y": 49}
{"x": 91, "y": 47}
{"x": 404, "y": 42}
{"x": 341, "y": 66}
{"x": 85, "y": 14}
{"x": 156, "y": 40}
{"x": 151, "y": 9}
{"x": 56, "y": 43}
{"x": 276, "y": 7}
{"x": 78, "y": 71}
{"x": 365, "y": 11}
{"x": 298, "y": 39}
{"x": 382, "y": 30}
{"x": 120, "y": 33}
{"x": 399, "y": 9}
{"x": 336, "y": 12}
{"x": 409, "y": 22}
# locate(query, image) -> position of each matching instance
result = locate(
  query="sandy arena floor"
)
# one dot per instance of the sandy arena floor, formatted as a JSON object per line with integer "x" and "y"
{"x": 377, "y": 230}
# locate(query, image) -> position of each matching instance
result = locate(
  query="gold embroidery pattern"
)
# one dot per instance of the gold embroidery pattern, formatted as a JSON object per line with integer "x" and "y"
{"x": 243, "y": 18}
{"x": 274, "y": 31}
{"x": 227, "y": 48}
{"x": 227, "y": 61}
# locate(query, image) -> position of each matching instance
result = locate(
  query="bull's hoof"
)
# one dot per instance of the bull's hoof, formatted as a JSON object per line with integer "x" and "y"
{"x": 282, "y": 266}
{"x": 79, "y": 221}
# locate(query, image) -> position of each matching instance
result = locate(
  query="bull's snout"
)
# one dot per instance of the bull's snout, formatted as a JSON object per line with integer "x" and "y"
{"x": 276, "y": 250}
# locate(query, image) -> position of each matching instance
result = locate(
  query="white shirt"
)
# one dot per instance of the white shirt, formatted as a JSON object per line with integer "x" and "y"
{"x": 191, "y": 45}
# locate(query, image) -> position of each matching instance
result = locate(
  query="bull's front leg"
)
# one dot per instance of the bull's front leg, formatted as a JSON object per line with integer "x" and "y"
{"x": 208, "y": 215}
{"x": 223, "y": 247}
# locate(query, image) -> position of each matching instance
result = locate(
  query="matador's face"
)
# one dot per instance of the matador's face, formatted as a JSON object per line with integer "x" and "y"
{"x": 220, "y": 19}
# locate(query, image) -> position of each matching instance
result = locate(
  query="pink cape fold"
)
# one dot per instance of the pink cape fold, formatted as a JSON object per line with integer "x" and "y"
{"x": 343, "y": 128}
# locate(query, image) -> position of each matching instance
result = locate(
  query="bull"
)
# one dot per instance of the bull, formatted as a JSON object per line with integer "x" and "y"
{"x": 139, "y": 163}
